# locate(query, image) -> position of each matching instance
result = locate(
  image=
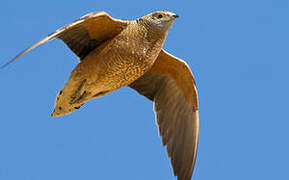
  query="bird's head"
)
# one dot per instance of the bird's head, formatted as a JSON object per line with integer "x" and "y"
{"x": 160, "y": 19}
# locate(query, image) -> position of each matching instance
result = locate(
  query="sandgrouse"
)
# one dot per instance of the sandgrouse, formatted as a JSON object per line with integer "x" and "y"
{"x": 114, "y": 53}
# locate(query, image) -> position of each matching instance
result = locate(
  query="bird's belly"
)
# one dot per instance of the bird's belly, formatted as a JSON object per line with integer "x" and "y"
{"x": 121, "y": 72}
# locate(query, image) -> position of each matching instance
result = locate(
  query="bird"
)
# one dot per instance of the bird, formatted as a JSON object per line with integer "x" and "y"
{"x": 114, "y": 53}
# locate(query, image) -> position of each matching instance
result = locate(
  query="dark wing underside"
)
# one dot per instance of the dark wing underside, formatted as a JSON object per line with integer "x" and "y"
{"x": 79, "y": 41}
{"x": 171, "y": 86}
{"x": 84, "y": 34}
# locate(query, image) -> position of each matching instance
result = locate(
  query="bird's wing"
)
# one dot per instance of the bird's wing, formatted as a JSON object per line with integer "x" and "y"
{"x": 170, "y": 84}
{"x": 84, "y": 34}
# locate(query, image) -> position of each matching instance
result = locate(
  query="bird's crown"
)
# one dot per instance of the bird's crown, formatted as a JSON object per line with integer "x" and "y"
{"x": 160, "y": 19}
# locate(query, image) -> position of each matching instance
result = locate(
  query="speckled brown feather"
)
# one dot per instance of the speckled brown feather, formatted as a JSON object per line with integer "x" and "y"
{"x": 113, "y": 64}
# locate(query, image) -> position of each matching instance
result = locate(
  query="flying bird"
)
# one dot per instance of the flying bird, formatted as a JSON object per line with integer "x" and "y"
{"x": 114, "y": 53}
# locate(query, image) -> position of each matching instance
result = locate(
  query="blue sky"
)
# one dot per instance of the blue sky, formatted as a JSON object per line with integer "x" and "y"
{"x": 237, "y": 50}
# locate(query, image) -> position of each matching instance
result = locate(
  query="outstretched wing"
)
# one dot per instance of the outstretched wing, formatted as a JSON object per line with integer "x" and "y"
{"x": 170, "y": 84}
{"x": 84, "y": 34}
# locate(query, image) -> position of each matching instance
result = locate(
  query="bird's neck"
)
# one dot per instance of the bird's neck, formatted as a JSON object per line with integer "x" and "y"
{"x": 153, "y": 32}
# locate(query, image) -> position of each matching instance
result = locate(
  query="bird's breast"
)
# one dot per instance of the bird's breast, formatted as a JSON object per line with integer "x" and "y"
{"x": 124, "y": 59}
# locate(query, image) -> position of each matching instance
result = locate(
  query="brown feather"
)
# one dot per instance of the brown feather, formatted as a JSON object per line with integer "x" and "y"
{"x": 115, "y": 63}
{"x": 84, "y": 34}
{"x": 170, "y": 84}
{"x": 115, "y": 53}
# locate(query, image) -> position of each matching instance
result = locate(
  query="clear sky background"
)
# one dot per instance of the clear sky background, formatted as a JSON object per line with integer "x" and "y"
{"x": 237, "y": 50}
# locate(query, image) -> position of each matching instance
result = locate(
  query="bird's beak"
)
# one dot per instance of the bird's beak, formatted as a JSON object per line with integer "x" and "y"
{"x": 176, "y": 16}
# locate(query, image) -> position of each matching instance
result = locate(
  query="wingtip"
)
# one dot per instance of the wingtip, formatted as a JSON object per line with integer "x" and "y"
{"x": 12, "y": 60}
{"x": 6, "y": 64}
{"x": 3, "y": 66}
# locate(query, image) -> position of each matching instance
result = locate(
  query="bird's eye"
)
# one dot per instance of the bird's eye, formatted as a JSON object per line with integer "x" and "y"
{"x": 160, "y": 16}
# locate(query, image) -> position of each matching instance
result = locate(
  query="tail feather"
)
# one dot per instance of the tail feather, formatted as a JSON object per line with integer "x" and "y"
{"x": 70, "y": 98}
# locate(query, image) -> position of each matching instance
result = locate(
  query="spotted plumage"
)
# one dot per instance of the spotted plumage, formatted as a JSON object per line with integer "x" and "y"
{"x": 114, "y": 53}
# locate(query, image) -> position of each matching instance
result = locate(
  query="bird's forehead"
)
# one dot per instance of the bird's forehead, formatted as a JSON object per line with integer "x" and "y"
{"x": 164, "y": 12}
